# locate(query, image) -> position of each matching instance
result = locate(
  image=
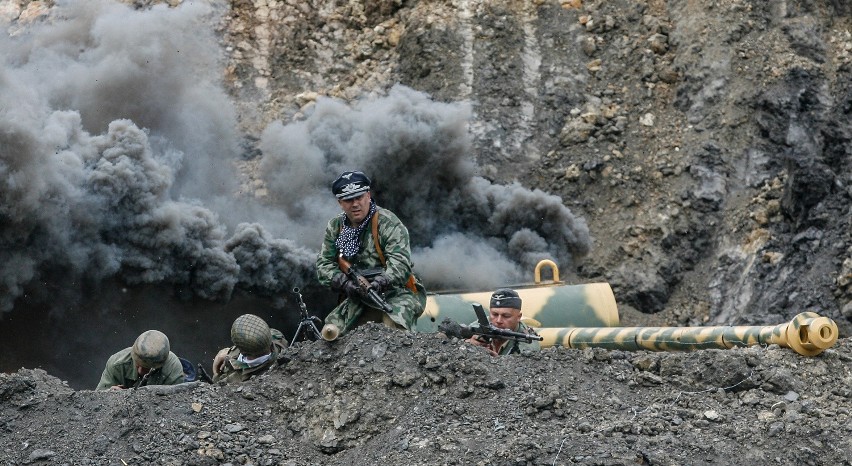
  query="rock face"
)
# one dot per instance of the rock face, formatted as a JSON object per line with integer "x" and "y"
{"x": 380, "y": 396}
{"x": 706, "y": 145}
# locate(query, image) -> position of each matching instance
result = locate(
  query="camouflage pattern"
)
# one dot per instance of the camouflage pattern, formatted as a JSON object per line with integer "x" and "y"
{"x": 236, "y": 371}
{"x": 514, "y": 347}
{"x": 121, "y": 370}
{"x": 394, "y": 239}
{"x": 150, "y": 349}
{"x": 549, "y": 305}
{"x": 251, "y": 335}
{"x": 584, "y": 316}
{"x": 808, "y": 334}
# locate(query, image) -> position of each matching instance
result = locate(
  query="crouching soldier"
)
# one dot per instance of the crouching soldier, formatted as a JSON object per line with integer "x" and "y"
{"x": 256, "y": 348}
{"x": 148, "y": 362}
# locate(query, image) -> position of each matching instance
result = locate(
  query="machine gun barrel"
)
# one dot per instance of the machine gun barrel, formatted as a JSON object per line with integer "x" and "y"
{"x": 808, "y": 334}
{"x": 484, "y": 329}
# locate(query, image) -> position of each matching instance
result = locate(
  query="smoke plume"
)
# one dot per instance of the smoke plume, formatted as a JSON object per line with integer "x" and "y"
{"x": 117, "y": 153}
{"x": 115, "y": 140}
{"x": 466, "y": 231}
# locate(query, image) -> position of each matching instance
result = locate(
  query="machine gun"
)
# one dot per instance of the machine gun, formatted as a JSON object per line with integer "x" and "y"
{"x": 371, "y": 297}
{"x": 308, "y": 325}
{"x": 485, "y": 329}
{"x": 203, "y": 376}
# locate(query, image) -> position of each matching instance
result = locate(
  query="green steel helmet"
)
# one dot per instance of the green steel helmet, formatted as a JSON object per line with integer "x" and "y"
{"x": 151, "y": 349}
{"x": 251, "y": 335}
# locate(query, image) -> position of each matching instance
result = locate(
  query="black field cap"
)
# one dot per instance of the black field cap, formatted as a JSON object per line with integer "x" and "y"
{"x": 350, "y": 185}
{"x": 505, "y": 297}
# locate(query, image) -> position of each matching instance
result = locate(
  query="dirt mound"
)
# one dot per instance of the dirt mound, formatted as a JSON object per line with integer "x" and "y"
{"x": 380, "y": 396}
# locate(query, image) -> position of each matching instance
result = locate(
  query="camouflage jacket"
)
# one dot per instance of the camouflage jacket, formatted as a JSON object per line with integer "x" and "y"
{"x": 120, "y": 370}
{"x": 406, "y": 295}
{"x": 236, "y": 371}
{"x": 515, "y": 347}
{"x": 393, "y": 239}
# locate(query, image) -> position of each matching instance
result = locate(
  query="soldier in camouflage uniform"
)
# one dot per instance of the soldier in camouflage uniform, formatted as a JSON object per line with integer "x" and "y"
{"x": 256, "y": 348}
{"x": 505, "y": 312}
{"x": 369, "y": 237}
{"x": 148, "y": 362}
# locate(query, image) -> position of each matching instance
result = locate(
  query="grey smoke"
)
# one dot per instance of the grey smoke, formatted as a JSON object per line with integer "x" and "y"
{"x": 466, "y": 231}
{"x": 115, "y": 140}
{"x": 117, "y": 153}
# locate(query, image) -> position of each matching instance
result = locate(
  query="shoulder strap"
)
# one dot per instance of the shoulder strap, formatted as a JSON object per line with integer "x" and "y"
{"x": 411, "y": 284}
{"x": 375, "y": 224}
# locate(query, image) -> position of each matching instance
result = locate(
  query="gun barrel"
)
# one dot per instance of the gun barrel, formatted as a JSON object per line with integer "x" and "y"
{"x": 510, "y": 334}
{"x": 808, "y": 334}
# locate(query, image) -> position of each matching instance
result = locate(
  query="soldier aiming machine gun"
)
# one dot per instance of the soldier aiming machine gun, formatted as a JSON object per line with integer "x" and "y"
{"x": 485, "y": 329}
{"x": 371, "y": 297}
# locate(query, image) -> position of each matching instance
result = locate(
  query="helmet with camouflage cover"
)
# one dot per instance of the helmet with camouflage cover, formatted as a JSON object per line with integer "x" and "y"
{"x": 251, "y": 335}
{"x": 151, "y": 349}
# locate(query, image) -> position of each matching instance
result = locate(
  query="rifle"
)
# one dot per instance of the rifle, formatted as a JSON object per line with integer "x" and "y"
{"x": 485, "y": 330}
{"x": 203, "y": 375}
{"x": 308, "y": 324}
{"x": 365, "y": 288}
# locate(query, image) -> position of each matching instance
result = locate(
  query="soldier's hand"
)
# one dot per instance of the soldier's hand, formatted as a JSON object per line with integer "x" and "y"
{"x": 351, "y": 289}
{"x": 219, "y": 361}
{"x": 338, "y": 281}
{"x": 381, "y": 283}
{"x": 476, "y": 340}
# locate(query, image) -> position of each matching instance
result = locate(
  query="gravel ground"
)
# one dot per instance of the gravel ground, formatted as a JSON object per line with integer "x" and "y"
{"x": 706, "y": 145}
{"x": 380, "y": 396}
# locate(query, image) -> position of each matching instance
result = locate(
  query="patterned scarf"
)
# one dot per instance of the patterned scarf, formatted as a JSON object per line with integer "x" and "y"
{"x": 253, "y": 362}
{"x": 349, "y": 240}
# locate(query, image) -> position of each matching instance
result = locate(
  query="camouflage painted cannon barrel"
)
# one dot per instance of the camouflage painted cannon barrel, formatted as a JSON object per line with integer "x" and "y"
{"x": 807, "y": 334}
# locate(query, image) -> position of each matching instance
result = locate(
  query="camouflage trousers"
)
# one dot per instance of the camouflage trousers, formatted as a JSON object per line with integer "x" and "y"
{"x": 407, "y": 307}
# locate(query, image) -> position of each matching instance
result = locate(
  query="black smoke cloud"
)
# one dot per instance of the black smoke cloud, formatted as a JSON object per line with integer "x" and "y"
{"x": 115, "y": 140}
{"x": 466, "y": 231}
{"x": 117, "y": 153}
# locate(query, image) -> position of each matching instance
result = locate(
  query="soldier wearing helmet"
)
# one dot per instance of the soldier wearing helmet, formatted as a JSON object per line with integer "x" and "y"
{"x": 256, "y": 348}
{"x": 370, "y": 238}
{"x": 505, "y": 312}
{"x": 148, "y": 362}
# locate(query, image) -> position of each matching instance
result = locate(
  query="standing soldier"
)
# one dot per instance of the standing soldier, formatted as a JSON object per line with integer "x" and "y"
{"x": 505, "y": 313}
{"x": 256, "y": 348}
{"x": 148, "y": 362}
{"x": 370, "y": 238}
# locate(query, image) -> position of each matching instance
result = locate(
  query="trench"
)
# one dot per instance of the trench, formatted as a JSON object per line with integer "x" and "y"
{"x": 73, "y": 340}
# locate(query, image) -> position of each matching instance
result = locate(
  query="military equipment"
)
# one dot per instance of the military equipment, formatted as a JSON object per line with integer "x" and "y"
{"x": 151, "y": 349}
{"x": 585, "y": 316}
{"x": 203, "y": 375}
{"x": 308, "y": 325}
{"x": 143, "y": 381}
{"x": 807, "y": 334}
{"x": 484, "y": 329}
{"x": 251, "y": 335}
{"x": 547, "y": 303}
{"x": 365, "y": 289}
{"x": 330, "y": 332}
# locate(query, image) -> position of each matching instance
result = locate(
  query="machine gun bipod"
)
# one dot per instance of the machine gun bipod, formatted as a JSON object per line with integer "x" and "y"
{"x": 308, "y": 324}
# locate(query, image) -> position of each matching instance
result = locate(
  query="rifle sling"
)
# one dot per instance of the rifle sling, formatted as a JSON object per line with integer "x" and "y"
{"x": 411, "y": 284}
